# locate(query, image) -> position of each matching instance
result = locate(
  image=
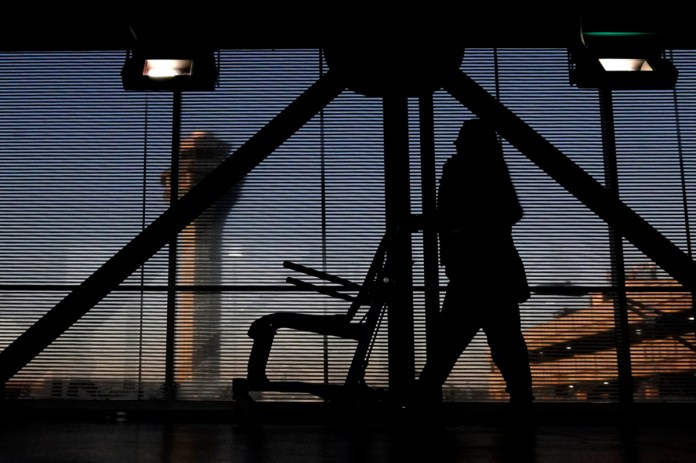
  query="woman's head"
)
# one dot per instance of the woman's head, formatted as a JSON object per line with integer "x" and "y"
{"x": 476, "y": 134}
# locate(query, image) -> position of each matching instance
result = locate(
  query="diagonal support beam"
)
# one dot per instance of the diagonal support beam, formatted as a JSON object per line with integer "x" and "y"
{"x": 112, "y": 273}
{"x": 574, "y": 179}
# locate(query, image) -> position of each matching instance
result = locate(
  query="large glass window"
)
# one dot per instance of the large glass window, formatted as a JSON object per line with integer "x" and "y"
{"x": 85, "y": 167}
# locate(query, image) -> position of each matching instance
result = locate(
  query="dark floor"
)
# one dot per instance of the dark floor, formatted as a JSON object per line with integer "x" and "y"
{"x": 301, "y": 433}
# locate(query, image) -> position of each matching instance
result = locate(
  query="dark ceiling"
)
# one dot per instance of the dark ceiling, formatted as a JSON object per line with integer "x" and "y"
{"x": 486, "y": 26}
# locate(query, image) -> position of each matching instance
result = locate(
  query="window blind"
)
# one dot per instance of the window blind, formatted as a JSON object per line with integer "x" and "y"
{"x": 85, "y": 166}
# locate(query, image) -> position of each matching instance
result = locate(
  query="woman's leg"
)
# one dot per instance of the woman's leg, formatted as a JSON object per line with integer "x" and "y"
{"x": 456, "y": 326}
{"x": 509, "y": 351}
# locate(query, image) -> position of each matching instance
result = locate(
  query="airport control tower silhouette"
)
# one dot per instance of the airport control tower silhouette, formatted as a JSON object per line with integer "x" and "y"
{"x": 199, "y": 265}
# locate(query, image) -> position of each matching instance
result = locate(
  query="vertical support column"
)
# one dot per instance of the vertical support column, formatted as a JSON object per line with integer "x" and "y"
{"x": 618, "y": 273}
{"x": 398, "y": 214}
{"x": 169, "y": 360}
{"x": 429, "y": 204}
